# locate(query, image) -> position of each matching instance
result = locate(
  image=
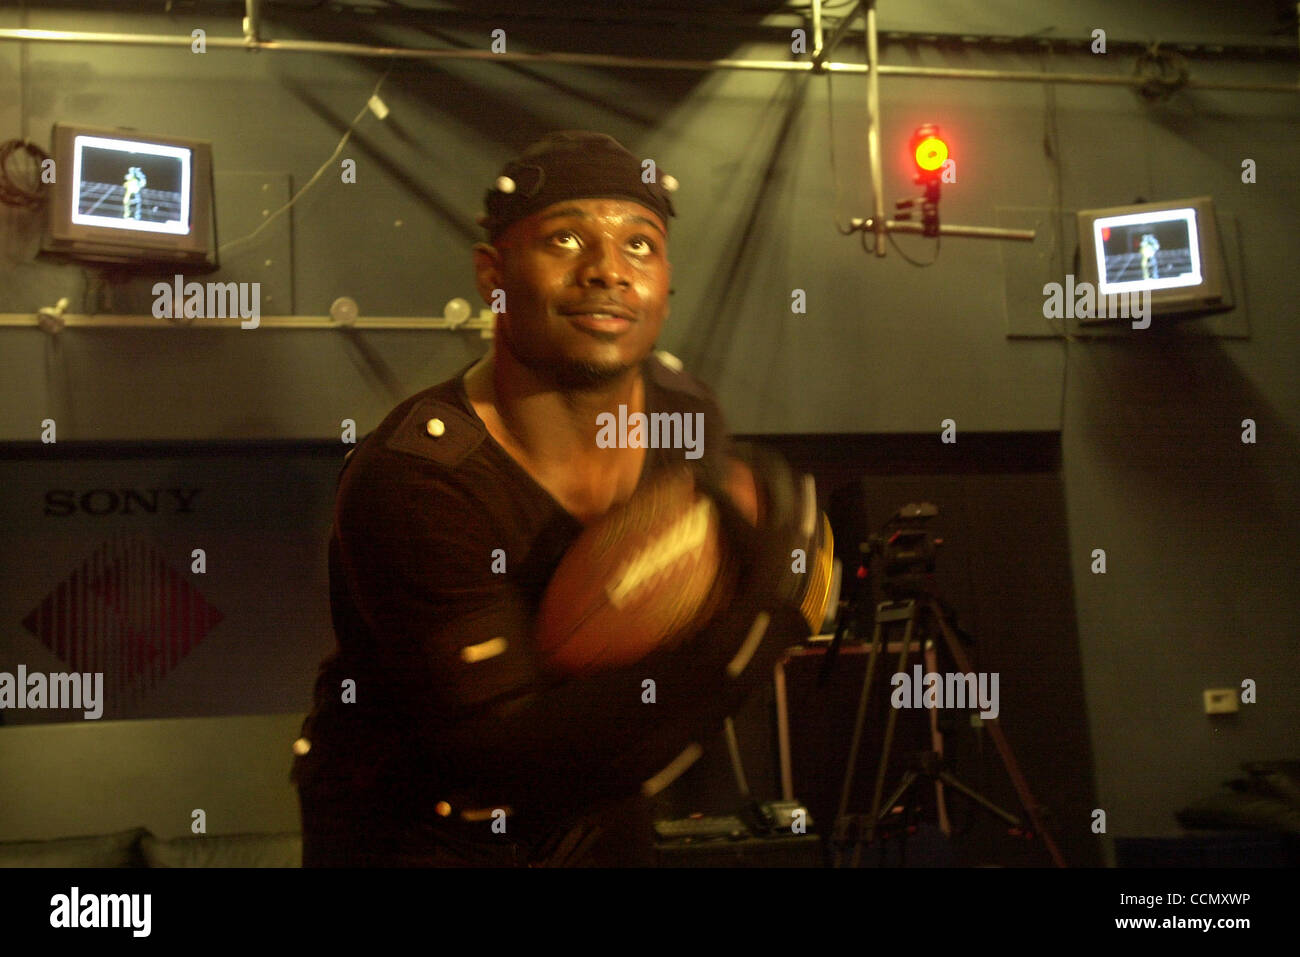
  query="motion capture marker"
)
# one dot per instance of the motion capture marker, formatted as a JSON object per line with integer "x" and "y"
{"x": 505, "y": 184}
{"x": 435, "y": 427}
{"x": 746, "y": 652}
{"x": 344, "y": 310}
{"x": 443, "y": 809}
{"x": 301, "y": 747}
{"x": 484, "y": 813}
{"x": 669, "y": 183}
{"x": 472, "y": 654}
{"x": 456, "y": 311}
{"x": 669, "y": 360}
{"x": 675, "y": 769}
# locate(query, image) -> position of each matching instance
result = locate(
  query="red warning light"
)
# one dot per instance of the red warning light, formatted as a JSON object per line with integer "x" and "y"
{"x": 1105, "y": 234}
{"x": 929, "y": 150}
{"x": 931, "y": 161}
{"x": 931, "y": 154}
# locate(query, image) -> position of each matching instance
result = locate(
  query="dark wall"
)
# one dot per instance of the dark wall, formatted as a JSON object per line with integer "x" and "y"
{"x": 1199, "y": 529}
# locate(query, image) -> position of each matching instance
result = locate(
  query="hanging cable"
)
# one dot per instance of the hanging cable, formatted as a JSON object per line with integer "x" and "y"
{"x": 226, "y": 247}
{"x": 25, "y": 191}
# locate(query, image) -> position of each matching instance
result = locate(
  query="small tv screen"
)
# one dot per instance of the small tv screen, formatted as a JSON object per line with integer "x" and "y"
{"x": 1170, "y": 250}
{"x": 126, "y": 197}
{"x": 1156, "y": 250}
{"x": 129, "y": 184}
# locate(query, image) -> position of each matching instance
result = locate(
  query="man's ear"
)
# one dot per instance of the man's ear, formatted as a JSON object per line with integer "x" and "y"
{"x": 488, "y": 271}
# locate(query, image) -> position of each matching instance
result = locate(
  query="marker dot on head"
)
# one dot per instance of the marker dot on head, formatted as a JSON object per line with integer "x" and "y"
{"x": 505, "y": 184}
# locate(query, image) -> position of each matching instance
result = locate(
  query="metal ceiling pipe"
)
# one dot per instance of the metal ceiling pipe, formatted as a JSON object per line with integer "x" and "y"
{"x": 1086, "y": 79}
{"x": 817, "y": 29}
{"x": 618, "y": 62}
{"x": 366, "y": 50}
{"x": 970, "y": 232}
{"x": 841, "y": 30}
{"x": 251, "y": 22}
{"x": 873, "y": 129}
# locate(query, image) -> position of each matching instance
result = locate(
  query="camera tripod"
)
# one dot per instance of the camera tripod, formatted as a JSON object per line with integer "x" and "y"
{"x": 904, "y": 609}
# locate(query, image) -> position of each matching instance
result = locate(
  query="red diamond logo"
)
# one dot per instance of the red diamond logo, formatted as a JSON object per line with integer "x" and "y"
{"x": 124, "y": 612}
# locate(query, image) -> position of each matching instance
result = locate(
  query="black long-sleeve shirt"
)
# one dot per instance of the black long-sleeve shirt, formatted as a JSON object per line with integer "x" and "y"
{"x": 442, "y": 542}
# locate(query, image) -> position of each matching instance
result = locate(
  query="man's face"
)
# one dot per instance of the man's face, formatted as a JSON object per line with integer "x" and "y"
{"x": 586, "y": 286}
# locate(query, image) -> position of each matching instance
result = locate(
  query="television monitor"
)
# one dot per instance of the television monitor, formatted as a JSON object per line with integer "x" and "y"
{"x": 1171, "y": 249}
{"x": 121, "y": 196}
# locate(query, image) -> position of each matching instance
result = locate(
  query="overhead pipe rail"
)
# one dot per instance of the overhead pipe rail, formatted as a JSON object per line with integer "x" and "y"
{"x": 253, "y": 39}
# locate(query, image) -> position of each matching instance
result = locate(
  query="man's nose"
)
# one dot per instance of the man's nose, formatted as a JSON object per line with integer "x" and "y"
{"x": 604, "y": 264}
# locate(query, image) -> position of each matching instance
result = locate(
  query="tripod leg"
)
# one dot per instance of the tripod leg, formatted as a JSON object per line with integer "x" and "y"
{"x": 907, "y": 611}
{"x": 863, "y": 699}
{"x": 908, "y": 777}
{"x": 936, "y": 745}
{"x": 1004, "y": 747}
{"x": 841, "y": 821}
{"x": 950, "y": 779}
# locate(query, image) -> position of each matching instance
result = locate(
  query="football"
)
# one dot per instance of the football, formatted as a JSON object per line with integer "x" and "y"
{"x": 645, "y": 576}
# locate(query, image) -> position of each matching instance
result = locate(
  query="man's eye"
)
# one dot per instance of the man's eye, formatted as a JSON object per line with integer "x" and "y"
{"x": 642, "y": 245}
{"x": 566, "y": 238}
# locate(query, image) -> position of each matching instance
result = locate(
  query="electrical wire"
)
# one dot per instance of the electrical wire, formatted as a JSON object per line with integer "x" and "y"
{"x": 1052, "y": 150}
{"x": 226, "y": 247}
{"x": 15, "y": 193}
{"x": 835, "y": 176}
{"x": 899, "y": 249}
{"x": 869, "y": 250}
{"x": 835, "y": 185}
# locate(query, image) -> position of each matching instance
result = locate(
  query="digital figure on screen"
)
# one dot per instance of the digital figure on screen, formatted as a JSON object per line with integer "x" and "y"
{"x": 1149, "y": 246}
{"x": 132, "y": 186}
{"x": 540, "y": 615}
